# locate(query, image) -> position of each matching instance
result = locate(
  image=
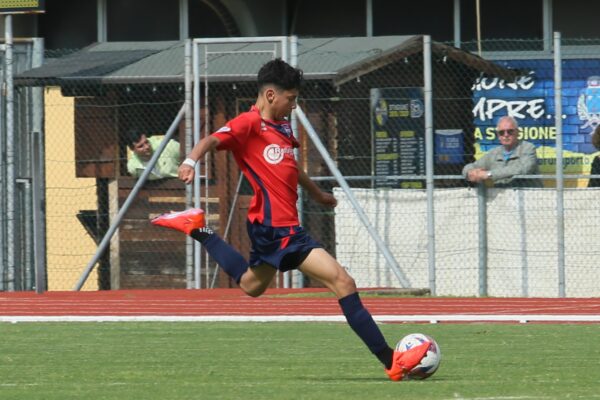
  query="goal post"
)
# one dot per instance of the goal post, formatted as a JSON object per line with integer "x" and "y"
{"x": 208, "y": 55}
{"x": 236, "y": 60}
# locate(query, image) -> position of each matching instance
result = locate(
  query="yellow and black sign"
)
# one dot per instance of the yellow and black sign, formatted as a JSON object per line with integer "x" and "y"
{"x": 21, "y": 6}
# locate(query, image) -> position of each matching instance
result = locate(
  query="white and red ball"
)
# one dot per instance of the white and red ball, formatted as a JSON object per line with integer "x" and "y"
{"x": 430, "y": 361}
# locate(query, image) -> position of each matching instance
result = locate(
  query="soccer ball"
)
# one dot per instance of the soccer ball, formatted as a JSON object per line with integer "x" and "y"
{"x": 430, "y": 361}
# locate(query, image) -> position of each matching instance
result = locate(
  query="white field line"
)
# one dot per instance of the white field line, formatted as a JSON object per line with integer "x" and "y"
{"x": 521, "y": 318}
{"x": 501, "y": 398}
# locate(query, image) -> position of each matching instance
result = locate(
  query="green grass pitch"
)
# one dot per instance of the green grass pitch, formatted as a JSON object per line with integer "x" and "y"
{"x": 190, "y": 360}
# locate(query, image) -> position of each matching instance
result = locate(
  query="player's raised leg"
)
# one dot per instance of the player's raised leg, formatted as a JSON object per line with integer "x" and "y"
{"x": 257, "y": 279}
{"x": 253, "y": 281}
{"x": 183, "y": 221}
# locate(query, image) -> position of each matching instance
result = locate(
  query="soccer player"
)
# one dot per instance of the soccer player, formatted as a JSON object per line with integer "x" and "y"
{"x": 262, "y": 142}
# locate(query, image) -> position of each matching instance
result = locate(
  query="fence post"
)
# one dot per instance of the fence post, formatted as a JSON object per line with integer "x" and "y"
{"x": 560, "y": 216}
{"x": 2, "y": 179}
{"x": 38, "y": 179}
{"x": 523, "y": 242}
{"x": 297, "y": 277}
{"x": 483, "y": 248}
{"x": 190, "y": 272}
{"x": 427, "y": 96}
{"x": 26, "y": 273}
{"x": 10, "y": 157}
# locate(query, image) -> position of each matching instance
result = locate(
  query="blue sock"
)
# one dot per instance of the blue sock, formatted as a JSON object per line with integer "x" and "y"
{"x": 362, "y": 323}
{"x": 226, "y": 256}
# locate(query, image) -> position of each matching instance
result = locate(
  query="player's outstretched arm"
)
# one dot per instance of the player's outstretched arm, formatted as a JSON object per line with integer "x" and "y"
{"x": 186, "y": 169}
{"x": 315, "y": 192}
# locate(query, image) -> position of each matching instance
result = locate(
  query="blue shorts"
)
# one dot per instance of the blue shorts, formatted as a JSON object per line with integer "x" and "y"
{"x": 284, "y": 248}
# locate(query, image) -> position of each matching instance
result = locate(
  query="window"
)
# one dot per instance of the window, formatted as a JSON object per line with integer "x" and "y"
{"x": 576, "y": 19}
{"x": 329, "y": 18}
{"x": 144, "y": 20}
{"x": 204, "y": 22}
{"x": 423, "y": 17}
{"x": 68, "y": 24}
{"x": 507, "y": 19}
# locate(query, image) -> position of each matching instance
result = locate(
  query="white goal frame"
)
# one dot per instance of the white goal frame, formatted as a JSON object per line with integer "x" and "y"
{"x": 193, "y": 77}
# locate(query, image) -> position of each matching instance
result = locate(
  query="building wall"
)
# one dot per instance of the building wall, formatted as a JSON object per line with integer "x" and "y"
{"x": 69, "y": 246}
{"x": 72, "y": 23}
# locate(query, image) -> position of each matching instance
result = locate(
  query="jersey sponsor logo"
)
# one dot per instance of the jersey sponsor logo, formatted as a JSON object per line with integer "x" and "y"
{"x": 224, "y": 129}
{"x": 273, "y": 153}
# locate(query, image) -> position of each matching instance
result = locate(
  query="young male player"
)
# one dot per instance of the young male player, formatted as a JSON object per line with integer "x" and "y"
{"x": 262, "y": 142}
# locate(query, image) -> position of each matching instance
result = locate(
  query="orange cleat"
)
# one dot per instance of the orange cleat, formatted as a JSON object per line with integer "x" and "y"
{"x": 183, "y": 221}
{"x": 404, "y": 361}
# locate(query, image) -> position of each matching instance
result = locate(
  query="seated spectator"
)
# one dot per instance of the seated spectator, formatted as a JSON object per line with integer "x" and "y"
{"x": 500, "y": 165}
{"x": 595, "y": 182}
{"x": 143, "y": 148}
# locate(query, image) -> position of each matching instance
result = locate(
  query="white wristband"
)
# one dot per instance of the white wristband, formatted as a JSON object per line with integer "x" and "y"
{"x": 190, "y": 162}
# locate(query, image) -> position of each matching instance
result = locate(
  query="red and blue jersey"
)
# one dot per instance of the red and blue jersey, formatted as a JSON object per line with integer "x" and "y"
{"x": 264, "y": 151}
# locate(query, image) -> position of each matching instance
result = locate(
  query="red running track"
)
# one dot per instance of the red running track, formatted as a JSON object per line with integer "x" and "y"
{"x": 283, "y": 304}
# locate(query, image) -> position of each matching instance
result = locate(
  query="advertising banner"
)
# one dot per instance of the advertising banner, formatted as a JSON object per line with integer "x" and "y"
{"x": 530, "y": 100}
{"x": 398, "y": 135}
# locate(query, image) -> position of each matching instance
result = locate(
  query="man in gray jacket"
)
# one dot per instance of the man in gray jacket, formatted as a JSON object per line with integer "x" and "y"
{"x": 501, "y": 164}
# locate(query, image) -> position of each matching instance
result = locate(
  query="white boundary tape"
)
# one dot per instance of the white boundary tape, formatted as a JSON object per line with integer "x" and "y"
{"x": 521, "y": 318}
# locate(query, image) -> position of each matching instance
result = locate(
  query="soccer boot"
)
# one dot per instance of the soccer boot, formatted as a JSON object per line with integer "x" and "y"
{"x": 404, "y": 361}
{"x": 183, "y": 221}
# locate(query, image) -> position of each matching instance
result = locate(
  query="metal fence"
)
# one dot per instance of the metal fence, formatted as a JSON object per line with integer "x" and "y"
{"x": 20, "y": 169}
{"x": 398, "y": 121}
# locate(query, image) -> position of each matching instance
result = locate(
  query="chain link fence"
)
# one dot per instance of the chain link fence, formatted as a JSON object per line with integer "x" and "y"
{"x": 367, "y": 102}
{"x": 20, "y": 121}
{"x": 500, "y": 242}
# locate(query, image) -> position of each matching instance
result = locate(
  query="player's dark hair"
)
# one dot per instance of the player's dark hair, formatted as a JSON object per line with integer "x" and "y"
{"x": 132, "y": 136}
{"x": 279, "y": 73}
